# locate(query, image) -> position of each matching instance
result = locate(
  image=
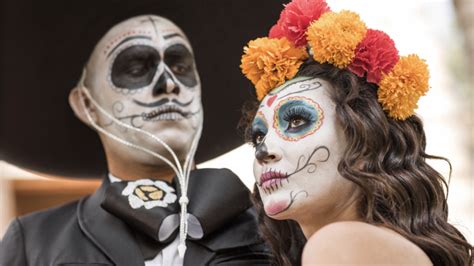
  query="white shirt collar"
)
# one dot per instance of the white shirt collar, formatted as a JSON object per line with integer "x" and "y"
{"x": 113, "y": 178}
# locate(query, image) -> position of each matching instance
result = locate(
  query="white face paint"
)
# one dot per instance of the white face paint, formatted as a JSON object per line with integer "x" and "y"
{"x": 299, "y": 144}
{"x": 143, "y": 73}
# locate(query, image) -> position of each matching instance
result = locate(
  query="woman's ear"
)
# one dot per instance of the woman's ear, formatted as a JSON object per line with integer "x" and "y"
{"x": 80, "y": 104}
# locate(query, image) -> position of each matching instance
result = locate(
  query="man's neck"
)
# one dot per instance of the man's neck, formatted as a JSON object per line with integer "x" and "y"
{"x": 133, "y": 171}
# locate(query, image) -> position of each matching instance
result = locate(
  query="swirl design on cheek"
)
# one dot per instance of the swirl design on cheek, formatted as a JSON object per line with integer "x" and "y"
{"x": 305, "y": 163}
{"x": 117, "y": 108}
{"x": 297, "y": 117}
{"x": 272, "y": 179}
{"x": 293, "y": 197}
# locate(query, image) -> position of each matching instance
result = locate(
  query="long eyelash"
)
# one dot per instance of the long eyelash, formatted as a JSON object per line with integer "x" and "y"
{"x": 297, "y": 111}
{"x": 254, "y": 142}
{"x": 254, "y": 137}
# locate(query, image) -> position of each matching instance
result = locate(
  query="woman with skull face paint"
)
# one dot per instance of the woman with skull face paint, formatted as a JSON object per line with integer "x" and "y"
{"x": 339, "y": 149}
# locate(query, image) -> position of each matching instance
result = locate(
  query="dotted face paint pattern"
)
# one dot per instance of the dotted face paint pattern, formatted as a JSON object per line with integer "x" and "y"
{"x": 301, "y": 108}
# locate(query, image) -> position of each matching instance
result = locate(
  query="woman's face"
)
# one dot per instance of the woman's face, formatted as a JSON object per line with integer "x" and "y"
{"x": 298, "y": 145}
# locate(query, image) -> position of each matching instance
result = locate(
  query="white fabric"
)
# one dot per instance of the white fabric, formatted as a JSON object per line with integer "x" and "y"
{"x": 169, "y": 255}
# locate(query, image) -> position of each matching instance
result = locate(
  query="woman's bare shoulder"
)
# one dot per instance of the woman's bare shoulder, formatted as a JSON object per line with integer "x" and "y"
{"x": 358, "y": 243}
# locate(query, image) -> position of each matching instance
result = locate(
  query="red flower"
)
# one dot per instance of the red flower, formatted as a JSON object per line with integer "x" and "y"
{"x": 375, "y": 55}
{"x": 276, "y": 32}
{"x": 295, "y": 19}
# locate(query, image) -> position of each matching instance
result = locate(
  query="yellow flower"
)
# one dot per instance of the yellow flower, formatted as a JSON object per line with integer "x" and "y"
{"x": 334, "y": 37}
{"x": 400, "y": 90}
{"x": 268, "y": 63}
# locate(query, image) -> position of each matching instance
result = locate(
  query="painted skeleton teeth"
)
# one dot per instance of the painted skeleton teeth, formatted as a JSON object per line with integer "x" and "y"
{"x": 168, "y": 112}
{"x": 272, "y": 180}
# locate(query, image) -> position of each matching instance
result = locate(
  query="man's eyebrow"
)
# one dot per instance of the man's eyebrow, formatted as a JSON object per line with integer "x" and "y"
{"x": 169, "y": 36}
{"x": 126, "y": 40}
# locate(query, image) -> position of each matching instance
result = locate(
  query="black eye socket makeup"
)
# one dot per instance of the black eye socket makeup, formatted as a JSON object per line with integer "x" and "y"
{"x": 135, "y": 67}
{"x": 259, "y": 130}
{"x": 181, "y": 62}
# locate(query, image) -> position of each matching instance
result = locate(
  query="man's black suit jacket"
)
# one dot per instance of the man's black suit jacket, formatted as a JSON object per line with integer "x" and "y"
{"x": 82, "y": 233}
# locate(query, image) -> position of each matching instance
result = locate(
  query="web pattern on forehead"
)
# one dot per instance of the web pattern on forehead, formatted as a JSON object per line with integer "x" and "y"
{"x": 316, "y": 125}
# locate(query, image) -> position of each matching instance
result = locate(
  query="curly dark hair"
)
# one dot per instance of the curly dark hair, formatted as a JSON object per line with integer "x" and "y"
{"x": 386, "y": 159}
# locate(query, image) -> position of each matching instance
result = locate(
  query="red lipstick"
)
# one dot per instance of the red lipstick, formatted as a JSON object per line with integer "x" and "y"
{"x": 269, "y": 178}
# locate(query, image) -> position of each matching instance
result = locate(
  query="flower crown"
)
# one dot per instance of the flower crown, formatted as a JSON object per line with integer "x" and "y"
{"x": 343, "y": 40}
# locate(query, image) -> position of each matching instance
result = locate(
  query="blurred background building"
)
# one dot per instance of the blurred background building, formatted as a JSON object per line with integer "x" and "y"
{"x": 441, "y": 31}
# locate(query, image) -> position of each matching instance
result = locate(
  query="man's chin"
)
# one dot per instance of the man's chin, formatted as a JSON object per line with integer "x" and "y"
{"x": 177, "y": 137}
{"x": 178, "y": 141}
{"x": 148, "y": 159}
{"x": 170, "y": 127}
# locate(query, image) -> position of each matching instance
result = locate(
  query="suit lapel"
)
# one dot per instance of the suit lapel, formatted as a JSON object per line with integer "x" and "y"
{"x": 197, "y": 254}
{"x": 216, "y": 197}
{"x": 110, "y": 234}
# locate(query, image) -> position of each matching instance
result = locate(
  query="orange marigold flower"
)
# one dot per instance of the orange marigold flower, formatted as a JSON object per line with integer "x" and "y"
{"x": 400, "y": 89}
{"x": 334, "y": 37}
{"x": 268, "y": 63}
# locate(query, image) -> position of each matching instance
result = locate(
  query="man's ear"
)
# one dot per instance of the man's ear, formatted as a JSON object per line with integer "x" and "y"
{"x": 78, "y": 104}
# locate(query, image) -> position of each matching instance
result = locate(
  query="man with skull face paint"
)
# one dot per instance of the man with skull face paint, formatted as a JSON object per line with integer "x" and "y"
{"x": 142, "y": 72}
{"x": 141, "y": 92}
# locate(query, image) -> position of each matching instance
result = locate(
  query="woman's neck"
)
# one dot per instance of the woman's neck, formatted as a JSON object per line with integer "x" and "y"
{"x": 311, "y": 222}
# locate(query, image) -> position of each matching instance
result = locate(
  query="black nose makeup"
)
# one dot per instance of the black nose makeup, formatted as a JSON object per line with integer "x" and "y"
{"x": 166, "y": 85}
{"x": 261, "y": 153}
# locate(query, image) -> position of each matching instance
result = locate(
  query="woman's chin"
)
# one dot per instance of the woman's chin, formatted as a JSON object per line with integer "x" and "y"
{"x": 278, "y": 205}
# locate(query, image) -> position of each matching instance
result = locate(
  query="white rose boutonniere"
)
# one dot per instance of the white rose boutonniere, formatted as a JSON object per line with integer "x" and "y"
{"x": 149, "y": 193}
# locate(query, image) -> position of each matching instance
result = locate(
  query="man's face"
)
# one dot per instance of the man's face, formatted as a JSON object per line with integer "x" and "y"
{"x": 298, "y": 145}
{"x": 143, "y": 73}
